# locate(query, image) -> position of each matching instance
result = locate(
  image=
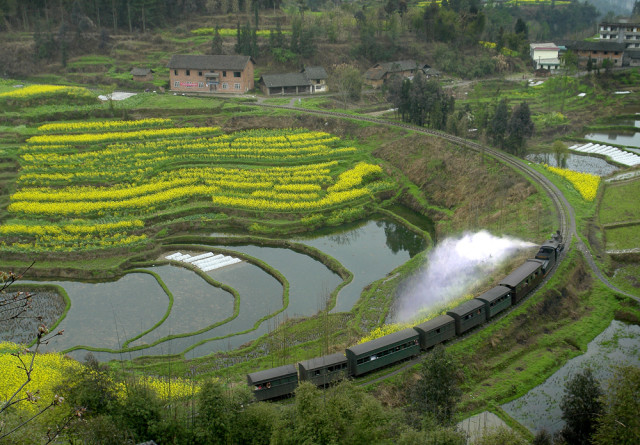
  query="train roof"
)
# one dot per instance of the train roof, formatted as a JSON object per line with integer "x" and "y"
{"x": 325, "y": 360}
{"x": 551, "y": 243}
{"x": 522, "y": 272}
{"x": 466, "y": 307}
{"x": 405, "y": 334}
{"x": 435, "y": 323}
{"x": 270, "y": 374}
{"x": 494, "y": 294}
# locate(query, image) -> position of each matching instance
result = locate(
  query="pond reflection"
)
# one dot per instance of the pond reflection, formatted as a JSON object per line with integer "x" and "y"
{"x": 578, "y": 163}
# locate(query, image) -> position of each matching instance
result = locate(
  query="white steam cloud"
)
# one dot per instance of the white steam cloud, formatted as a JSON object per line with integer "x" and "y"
{"x": 452, "y": 268}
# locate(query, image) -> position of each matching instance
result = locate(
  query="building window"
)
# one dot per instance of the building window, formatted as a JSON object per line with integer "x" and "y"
{"x": 224, "y": 74}
{"x": 175, "y": 72}
{"x": 236, "y": 86}
{"x": 176, "y": 84}
{"x": 200, "y": 73}
{"x": 237, "y": 74}
{"x": 225, "y": 85}
{"x": 200, "y": 84}
{"x": 188, "y": 72}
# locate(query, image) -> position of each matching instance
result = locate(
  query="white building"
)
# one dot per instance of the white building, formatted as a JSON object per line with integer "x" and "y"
{"x": 621, "y": 32}
{"x": 545, "y": 56}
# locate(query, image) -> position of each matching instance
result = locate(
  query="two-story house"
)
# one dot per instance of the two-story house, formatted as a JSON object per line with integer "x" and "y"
{"x": 211, "y": 74}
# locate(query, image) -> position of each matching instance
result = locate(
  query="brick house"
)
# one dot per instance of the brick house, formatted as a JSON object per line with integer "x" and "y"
{"x": 597, "y": 52}
{"x": 211, "y": 74}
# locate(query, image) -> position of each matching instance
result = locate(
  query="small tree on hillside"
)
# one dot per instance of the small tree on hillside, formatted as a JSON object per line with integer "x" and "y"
{"x": 498, "y": 125}
{"x": 520, "y": 127}
{"x": 581, "y": 406}
{"x": 620, "y": 423}
{"x": 347, "y": 82}
{"x": 437, "y": 392}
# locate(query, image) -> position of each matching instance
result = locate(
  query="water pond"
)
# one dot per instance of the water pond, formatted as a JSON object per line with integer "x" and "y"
{"x": 104, "y": 315}
{"x": 628, "y": 139}
{"x": 578, "y": 163}
{"x": 539, "y": 409}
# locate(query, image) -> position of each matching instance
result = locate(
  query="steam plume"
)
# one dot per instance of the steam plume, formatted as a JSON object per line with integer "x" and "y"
{"x": 452, "y": 268}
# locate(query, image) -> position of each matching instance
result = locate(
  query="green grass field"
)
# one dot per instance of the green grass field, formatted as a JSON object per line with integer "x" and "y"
{"x": 620, "y": 203}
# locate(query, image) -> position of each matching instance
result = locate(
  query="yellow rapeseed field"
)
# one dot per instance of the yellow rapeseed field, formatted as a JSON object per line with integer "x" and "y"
{"x": 586, "y": 184}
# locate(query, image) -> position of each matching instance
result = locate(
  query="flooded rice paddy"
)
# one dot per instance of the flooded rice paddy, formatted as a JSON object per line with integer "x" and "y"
{"x": 578, "y": 163}
{"x": 539, "y": 409}
{"x": 202, "y": 319}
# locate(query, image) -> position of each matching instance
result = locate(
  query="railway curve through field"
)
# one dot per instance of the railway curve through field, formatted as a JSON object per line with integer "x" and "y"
{"x": 564, "y": 211}
{"x": 566, "y": 214}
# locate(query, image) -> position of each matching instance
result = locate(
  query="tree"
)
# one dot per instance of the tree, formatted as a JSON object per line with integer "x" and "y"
{"x": 619, "y": 422}
{"x": 560, "y": 152}
{"x": 500, "y": 436}
{"x": 636, "y": 8}
{"x": 520, "y": 127}
{"x": 215, "y": 414}
{"x": 498, "y": 124}
{"x": 347, "y": 82}
{"x": 216, "y": 42}
{"x": 581, "y": 406}
{"x": 437, "y": 392}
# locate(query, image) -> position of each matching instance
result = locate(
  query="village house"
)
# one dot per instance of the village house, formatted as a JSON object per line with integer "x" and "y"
{"x": 598, "y": 52}
{"x": 142, "y": 74}
{"x": 379, "y": 73}
{"x": 211, "y": 74}
{"x": 621, "y": 32}
{"x": 309, "y": 80}
{"x": 545, "y": 56}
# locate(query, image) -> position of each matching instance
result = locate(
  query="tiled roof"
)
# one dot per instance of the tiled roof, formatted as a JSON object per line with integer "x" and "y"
{"x": 379, "y": 70}
{"x": 141, "y": 71}
{"x": 285, "y": 80}
{"x": 315, "y": 72}
{"x": 220, "y": 62}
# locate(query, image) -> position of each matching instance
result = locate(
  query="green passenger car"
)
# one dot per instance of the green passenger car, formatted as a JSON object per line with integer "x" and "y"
{"x": 468, "y": 315}
{"x": 522, "y": 280}
{"x": 383, "y": 351}
{"x": 436, "y": 331}
{"x": 496, "y": 300}
{"x": 324, "y": 370}
{"x": 273, "y": 383}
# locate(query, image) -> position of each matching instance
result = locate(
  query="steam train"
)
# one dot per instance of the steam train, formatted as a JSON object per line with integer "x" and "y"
{"x": 389, "y": 349}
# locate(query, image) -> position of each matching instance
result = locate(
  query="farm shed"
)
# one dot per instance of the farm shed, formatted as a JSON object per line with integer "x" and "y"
{"x": 324, "y": 370}
{"x": 496, "y": 300}
{"x": 382, "y": 351}
{"x": 274, "y": 382}
{"x": 436, "y": 331}
{"x": 287, "y": 83}
{"x": 142, "y": 74}
{"x": 468, "y": 315}
{"x": 523, "y": 279}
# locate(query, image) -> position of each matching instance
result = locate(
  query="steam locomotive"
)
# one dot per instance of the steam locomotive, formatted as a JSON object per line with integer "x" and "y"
{"x": 389, "y": 349}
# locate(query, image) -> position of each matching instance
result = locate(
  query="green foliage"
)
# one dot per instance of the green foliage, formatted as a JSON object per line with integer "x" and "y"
{"x": 619, "y": 423}
{"x": 437, "y": 392}
{"x": 520, "y": 127}
{"x": 347, "y": 82}
{"x": 581, "y": 406}
{"x": 421, "y": 101}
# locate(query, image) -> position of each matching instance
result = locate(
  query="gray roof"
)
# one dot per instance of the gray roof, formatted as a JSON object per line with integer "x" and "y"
{"x": 326, "y": 360}
{"x": 285, "y": 80}
{"x": 141, "y": 71}
{"x": 270, "y": 374}
{"x": 379, "y": 70}
{"x": 405, "y": 334}
{"x": 466, "y": 307}
{"x": 315, "y": 72}
{"x": 435, "y": 323}
{"x": 494, "y": 294}
{"x": 220, "y": 62}
{"x": 595, "y": 46}
{"x": 634, "y": 54}
{"x": 522, "y": 272}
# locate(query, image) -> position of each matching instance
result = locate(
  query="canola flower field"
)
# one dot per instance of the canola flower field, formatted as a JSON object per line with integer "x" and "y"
{"x": 586, "y": 184}
{"x": 51, "y": 369}
{"x": 92, "y": 185}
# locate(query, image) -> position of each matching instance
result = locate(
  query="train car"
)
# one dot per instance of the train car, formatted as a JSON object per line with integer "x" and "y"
{"x": 436, "y": 331}
{"x": 383, "y": 351}
{"x": 468, "y": 315}
{"x": 522, "y": 280}
{"x": 324, "y": 370}
{"x": 550, "y": 252}
{"x": 496, "y": 300}
{"x": 272, "y": 383}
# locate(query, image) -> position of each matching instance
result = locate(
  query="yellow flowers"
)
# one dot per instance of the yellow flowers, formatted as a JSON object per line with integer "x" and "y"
{"x": 586, "y": 184}
{"x": 102, "y": 126}
{"x": 92, "y": 190}
{"x": 45, "y": 90}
